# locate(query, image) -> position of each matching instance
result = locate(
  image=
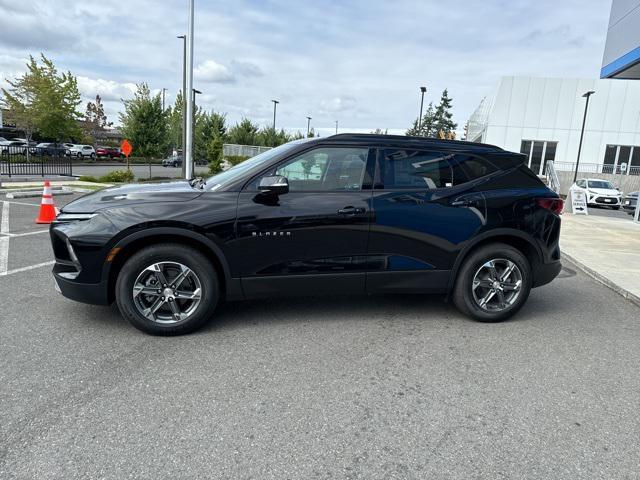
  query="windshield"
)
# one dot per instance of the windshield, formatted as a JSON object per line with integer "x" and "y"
{"x": 600, "y": 184}
{"x": 228, "y": 176}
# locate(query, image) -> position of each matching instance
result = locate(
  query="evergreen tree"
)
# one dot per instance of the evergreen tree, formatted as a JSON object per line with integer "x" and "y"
{"x": 427, "y": 127}
{"x": 144, "y": 123}
{"x": 174, "y": 123}
{"x": 243, "y": 133}
{"x": 442, "y": 117}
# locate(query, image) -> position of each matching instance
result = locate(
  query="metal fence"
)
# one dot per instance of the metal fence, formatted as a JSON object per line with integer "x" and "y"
{"x": 23, "y": 160}
{"x": 234, "y": 150}
{"x": 598, "y": 168}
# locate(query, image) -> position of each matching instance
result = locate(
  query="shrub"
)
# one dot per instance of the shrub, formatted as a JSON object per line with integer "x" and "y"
{"x": 88, "y": 178}
{"x": 117, "y": 176}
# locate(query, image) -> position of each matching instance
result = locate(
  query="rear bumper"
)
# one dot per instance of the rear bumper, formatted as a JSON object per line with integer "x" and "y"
{"x": 93, "y": 293}
{"x": 546, "y": 272}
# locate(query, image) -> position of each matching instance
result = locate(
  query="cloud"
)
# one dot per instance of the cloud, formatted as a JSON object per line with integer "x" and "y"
{"x": 359, "y": 62}
{"x": 338, "y": 104}
{"x": 107, "y": 89}
{"x": 214, "y": 72}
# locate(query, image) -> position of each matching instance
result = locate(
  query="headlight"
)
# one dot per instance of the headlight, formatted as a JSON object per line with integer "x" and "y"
{"x": 75, "y": 217}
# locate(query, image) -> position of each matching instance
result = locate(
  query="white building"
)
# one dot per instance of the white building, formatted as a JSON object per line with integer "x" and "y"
{"x": 542, "y": 118}
{"x": 621, "y": 57}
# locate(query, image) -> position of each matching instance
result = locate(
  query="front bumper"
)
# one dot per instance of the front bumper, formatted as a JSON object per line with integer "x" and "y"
{"x": 601, "y": 200}
{"x": 93, "y": 293}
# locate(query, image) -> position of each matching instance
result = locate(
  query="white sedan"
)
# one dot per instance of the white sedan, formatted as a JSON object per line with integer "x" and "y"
{"x": 599, "y": 192}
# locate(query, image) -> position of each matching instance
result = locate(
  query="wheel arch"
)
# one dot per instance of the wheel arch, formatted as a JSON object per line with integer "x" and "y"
{"x": 514, "y": 238}
{"x": 153, "y": 236}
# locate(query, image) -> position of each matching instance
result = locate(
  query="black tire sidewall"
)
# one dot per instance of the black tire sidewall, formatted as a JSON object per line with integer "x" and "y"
{"x": 463, "y": 295}
{"x": 188, "y": 256}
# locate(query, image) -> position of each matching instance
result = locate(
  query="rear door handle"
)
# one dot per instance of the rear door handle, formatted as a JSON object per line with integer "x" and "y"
{"x": 351, "y": 211}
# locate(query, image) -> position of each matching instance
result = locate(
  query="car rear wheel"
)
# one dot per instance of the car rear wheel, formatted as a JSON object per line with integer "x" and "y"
{"x": 493, "y": 283}
{"x": 167, "y": 289}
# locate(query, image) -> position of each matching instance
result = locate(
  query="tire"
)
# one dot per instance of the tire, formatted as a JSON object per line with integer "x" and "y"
{"x": 92, "y": 156}
{"x": 169, "y": 256}
{"x": 474, "y": 267}
{"x": 79, "y": 155}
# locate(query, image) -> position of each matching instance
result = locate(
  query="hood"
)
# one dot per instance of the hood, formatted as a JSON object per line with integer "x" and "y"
{"x": 604, "y": 191}
{"x": 133, "y": 194}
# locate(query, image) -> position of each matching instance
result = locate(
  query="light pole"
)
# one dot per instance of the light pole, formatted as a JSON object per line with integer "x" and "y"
{"x": 336, "y": 127}
{"x": 184, "y": 99}
{"x": 163, "y": 90}
{"x": 423, "y": 90}
{"x": 188, "y": 153}
{"x": 584, "y": 121}
{"x": 193, "y": 99}
{"x": 275, "y": 103}
{"x": 308, "y": 125}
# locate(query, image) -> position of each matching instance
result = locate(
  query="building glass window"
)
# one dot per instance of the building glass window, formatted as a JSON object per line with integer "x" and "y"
{"x": 622, "y": 159}
{"x": 538, "y": 153}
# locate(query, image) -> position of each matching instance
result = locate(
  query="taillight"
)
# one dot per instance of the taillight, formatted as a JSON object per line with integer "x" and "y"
{"x": 556, "y": 205}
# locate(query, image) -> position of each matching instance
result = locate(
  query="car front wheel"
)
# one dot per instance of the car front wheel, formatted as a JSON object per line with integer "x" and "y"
{"x": 493, "y": 283}
{"x": 167, "y": 289}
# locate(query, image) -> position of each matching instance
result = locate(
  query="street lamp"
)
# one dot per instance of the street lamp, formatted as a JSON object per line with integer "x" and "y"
{"x": 163, "y": 90}
{"x": 423, "y": 90}
{"x": 584, "y": 121}
{"x": 275, "y": 103}
{"x": 184, "y": 99}
{"x": 308, "y": 125}
{"x": 336, "y": 127}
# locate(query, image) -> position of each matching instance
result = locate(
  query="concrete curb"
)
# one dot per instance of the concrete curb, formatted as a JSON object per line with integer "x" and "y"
{"x": 603, "y": 280}
{"x": 32, "y": 194}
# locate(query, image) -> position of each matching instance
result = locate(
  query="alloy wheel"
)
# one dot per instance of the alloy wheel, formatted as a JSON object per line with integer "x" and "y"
{"x": 497, "y": 285}
{"x": 167, "y": 292}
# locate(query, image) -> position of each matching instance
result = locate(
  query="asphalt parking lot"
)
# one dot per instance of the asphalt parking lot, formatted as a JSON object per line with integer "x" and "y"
{"x": 391, "y": 387}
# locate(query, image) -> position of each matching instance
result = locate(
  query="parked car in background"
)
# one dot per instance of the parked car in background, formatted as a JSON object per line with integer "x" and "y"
{"x": 12, "y": 147}
{"x": 24, "y": 141}
{"x": 82, "y": 151}
{"x": 599, "y": 192}
{"x": 49, "y": 149}
{"x": 172, "y": 161}
{"x": 109, "y": 152}
{"x": 346, "y": 214}
{"x": 630, "y": 202}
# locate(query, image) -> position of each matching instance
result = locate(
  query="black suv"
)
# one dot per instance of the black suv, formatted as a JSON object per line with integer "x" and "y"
{"x": 345, "y": 214}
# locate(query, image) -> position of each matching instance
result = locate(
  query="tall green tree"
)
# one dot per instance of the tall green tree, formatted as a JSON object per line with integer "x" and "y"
{"x": 95, "y": 120}
{"x": 174, "y": 123}
{"x": 243, "y": 133}
{"x": 44, "y": 100}
{"x": 427, "y": 126}
{"x": 144, "y": 123}
{"x": 270, "y": 137}
{"x": 442, "y": 117}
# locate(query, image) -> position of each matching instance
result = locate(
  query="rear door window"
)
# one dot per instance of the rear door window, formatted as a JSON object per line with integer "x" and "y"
{"x": 414, "y": 170}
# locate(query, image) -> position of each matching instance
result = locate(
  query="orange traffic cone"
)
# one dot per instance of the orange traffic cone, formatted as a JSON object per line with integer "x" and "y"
{"x": 48, "y": 211}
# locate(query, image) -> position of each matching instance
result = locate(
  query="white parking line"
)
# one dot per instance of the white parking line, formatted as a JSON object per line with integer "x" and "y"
{"x": 22, "y": 203}
{"x": 35, "y": 232}
{"x": 24, "y": 269}
{"x": 4, "y": 241}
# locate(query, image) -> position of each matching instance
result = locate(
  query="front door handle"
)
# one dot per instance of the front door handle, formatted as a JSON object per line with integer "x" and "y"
{"x": 351, "y": 211}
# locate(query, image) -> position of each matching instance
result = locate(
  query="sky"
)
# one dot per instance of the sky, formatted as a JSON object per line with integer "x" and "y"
{"x": 358, "y": 62}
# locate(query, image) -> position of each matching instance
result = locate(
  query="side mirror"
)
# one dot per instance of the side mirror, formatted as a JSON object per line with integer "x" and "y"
{"x": 275, "y": 185}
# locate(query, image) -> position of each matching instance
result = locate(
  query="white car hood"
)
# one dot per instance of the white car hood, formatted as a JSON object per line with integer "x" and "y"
{"x": 604, "y": 191}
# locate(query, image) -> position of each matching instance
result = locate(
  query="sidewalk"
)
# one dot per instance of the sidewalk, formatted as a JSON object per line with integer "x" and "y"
{"x": 606, "y": 248}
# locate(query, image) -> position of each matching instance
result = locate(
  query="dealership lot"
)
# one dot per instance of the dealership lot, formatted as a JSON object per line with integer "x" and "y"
{"x": 357, "y": 387}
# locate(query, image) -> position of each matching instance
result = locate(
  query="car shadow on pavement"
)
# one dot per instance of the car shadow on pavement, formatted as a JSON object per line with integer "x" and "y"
{"x": 363, "y": 308}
